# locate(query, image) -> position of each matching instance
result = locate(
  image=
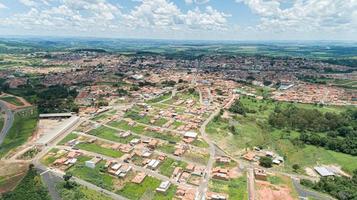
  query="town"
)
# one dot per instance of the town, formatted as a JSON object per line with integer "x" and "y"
{"x": 148, "y": 127}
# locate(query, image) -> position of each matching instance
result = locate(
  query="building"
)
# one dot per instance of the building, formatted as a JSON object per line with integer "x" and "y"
{"x": 139, "y": 178}
{"x": 91, "y": 163}
{"x": 323, "y": 171}
{"x": 153, "y": 164}
{"x": 164, "y": 186}
{"x": 190, "y": 134}
{"x": 260, "y": 174}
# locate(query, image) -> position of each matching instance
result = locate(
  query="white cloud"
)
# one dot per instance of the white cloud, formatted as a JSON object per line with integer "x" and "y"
{"x": 196, "y": 1}
{"x": 2, "y": 6}
{"x": 163, "y": 13}
{"x": 29, "y": 3}
{"x": 305, "y": 15}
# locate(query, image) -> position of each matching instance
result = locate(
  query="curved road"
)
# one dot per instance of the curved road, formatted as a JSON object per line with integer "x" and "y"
{"x": 8, "y": 120}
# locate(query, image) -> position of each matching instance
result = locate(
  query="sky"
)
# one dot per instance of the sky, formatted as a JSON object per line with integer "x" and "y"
{"x": 182, "y": 19}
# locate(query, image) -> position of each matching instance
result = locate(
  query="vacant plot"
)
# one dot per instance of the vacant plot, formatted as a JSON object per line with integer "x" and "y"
{"x": 68, "y": 138}
{"x": 12, "y": 100}
{"x": 235, "y": 188}
{"x": 160, "y": 98}
{"x": 253, "y": 130}
{"x": 111, "y": 134}
{"x": 92, "y": 147}
{"x": 94, "y": 176}
{"x": 168, "y": 166}
{"x": 136, "y": 191}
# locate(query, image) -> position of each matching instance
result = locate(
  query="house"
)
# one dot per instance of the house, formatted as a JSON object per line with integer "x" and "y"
{"x": 216, "y": 196}
{"x": 223, "y": 159}
{"x": 134, "y": 141}
{"x": 190, "y": 134}
{"x": 220, "y": 173}
{"x": 153, "y": 143}
{"x": 249, "y": 156}
{"x": 139, "y": 178}
{"x": 91, "y": 163}
{"x": 260, "y": 174}
{"x": 153, "y": 164}
{"x": 164, "y": 186}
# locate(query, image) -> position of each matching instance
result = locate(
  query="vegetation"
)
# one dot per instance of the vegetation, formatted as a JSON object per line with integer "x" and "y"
{"x": 334, "y": 131}
{"x": 30, "y": 188}
{"x": 265, "y": 162}
{"x": 94, "y": 176}
{"x": 24, "y": 125}
{"x": 111, "y": 134}
{"x": 135, "y": 191}
{"x": 254, "y": 130}
{"x": 235, "y": 188}
{"x": 340, "y": 187}
{"x": 92, "y": 147}
{"x": 54, "y": 99}
{"x": 68, "y": 138}
{"x": 168, "y": 166}
{"x": 12, "y": 100}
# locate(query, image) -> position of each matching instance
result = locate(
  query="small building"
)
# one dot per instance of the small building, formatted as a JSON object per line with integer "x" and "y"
{"x": 190, "y": 134}
{"x": 323, "y": 171}
{"x": 139, "y": 178}
{"x": 260, "y": 174}
{"x": 153, "y": 164}
{"x": 91, "y": 163}
{"x": 164, "y": 186}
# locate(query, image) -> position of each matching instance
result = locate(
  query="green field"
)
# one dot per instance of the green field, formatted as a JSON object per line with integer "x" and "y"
{"x": 254, "y": 130}
{"x": 80, "y": 192}
{"x": 135, "y": 191}
{"x": 235, "y": 188}
{"x": 68, "y": 138}
{"x": 92, "y": 147}
{"x": 110, "y": 134}
{"x": 140, "y": 129}
{"x": 168, "y": 166}
{"x": 24, "y": 125}
{"x": 12, "y": 100}
{"x": 160, "y": 98}
{"x": 94, "y": 176}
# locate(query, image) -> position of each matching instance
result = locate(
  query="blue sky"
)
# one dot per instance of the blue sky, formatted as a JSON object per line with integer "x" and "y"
{"x": 182, "y": 19}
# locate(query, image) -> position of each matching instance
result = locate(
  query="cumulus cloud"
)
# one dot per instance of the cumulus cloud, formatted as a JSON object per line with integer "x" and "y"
{"x": 2, "y": 6}
{"x": 196, "y": 1}
{"x": 305, "y": 15}
{"x": 162, "y": 13}
{"x": 29, "y": 3}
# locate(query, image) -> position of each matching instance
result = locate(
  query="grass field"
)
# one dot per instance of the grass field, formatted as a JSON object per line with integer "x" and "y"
{"x": 68, "y": 138}
{"x": 135, "y": 191}
{"x": 93, "y": 176}
{"x": 168, "y": 166}
{"x": 140, "y": 129}
{"x": 235, "y": 188}
{"x": 80, "y": 192}
{"x": 12, "y": 100}
{"x": 160, "y": 98}
{"x": 92, "y": 147}
{"x": 253, "y": 130}
{"x": 23, "y": 127}
{"x": 111, "y": 134}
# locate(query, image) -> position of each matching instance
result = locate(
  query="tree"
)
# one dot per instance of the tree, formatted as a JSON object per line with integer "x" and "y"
{"x": 266, "y": 162}
{"x": 296, "y": 167}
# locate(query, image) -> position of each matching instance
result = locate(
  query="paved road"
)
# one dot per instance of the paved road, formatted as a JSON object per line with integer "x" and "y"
{"x": 212, "y": 151}
{"x": 306, "y": 193}
{"x": 251, "y": 189}
{"x": 51, "y": 181}
{"x": 8, "y": 121}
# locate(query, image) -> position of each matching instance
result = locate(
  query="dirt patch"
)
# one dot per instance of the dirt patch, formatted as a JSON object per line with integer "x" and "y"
{"x": 310, "y": 172}
{"x": 267, "y": 191}
{"x": 11, "y": 174}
